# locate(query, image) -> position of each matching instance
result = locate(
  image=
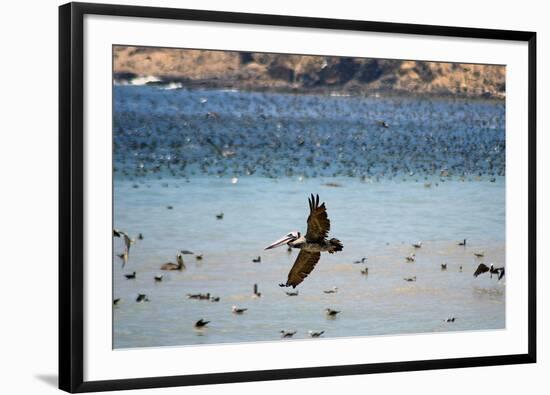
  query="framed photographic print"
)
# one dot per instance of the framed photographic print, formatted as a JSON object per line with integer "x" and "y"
{"x": 253, "y": 197}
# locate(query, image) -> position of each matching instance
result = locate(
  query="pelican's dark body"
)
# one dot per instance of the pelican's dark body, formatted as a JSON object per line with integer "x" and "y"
{"x": 324, "y": 245}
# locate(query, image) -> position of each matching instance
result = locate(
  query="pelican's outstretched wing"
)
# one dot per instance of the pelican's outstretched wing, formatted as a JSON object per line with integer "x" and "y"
{"x": 482, "y": 268}
{"x": 318, "y": 223}
{"x": 305, "y": 262}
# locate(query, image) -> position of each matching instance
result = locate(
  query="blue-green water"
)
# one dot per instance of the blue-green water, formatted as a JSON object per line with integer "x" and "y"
{"x": 169, "y": 152}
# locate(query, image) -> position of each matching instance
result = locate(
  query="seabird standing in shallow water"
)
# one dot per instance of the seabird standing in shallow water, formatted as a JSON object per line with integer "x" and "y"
{"x": 255, "y": 293}
{"x": 311, "y": 244}
{"x": 180, "y": 265}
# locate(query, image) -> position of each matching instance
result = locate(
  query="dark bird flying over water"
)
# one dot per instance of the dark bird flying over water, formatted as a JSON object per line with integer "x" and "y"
{"x": 311, "y": 244}
{"x": 483, "y": 268}
{"x": 127, "y": 244}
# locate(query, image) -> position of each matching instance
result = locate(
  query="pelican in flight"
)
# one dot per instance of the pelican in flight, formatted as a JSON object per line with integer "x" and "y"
{"x": 483, "y": 268}
{"x": 311, "y": 244}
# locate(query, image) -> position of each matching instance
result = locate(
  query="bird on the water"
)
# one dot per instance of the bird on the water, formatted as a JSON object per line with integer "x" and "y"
{"x": 365, "y": 271}
{"x": 331, "y": 313}
{"x": 256, "y": 260}
{"x": 291, "y": 293}
{"x": 219, "y": 216}
{"x": 256, "y": 293}
{"x": 410, "y": 279}
{"x": 479, "y": 254}
{"x": 315, "y": 333}
{"x": 199, "y": 296}
{"x": 483, "y": 268}
{"x": 417, "y": 245}
{"x": 115, "y": 302}
{"x": 311, "y": 244}
{"x": 362, "y": 260}
{"x": 158, "y": 278}
{"x": 237, "y": 310}
{"x": 130, "y": 276}
{"x": 142, "y": 298}
{"x": 443, "y": 266}
{"x": 180, "y": 265}
{"x": 331, "y": 291}
{"x": 462, "y": 243}
{"x": 411, "y": 257}
{"x": 287, "y": 334}
{"x": 201, "y": 323}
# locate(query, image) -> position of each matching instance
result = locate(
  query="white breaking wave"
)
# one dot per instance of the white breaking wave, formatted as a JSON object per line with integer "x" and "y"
{"x": 144, "y": 80}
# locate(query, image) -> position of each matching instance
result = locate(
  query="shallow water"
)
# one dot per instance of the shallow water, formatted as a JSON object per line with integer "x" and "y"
{"x": 377, "y": 215}
{"x": 378, "y": 220}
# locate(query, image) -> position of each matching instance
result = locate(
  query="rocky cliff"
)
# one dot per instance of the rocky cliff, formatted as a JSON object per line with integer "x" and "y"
{"x": 280, "y": 72}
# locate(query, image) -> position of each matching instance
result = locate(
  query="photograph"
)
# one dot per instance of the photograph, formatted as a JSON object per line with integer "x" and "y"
{"x": 272, "y": 197}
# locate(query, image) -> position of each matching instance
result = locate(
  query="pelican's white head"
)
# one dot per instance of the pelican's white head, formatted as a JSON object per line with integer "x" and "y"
{"x": 292, "y": 236}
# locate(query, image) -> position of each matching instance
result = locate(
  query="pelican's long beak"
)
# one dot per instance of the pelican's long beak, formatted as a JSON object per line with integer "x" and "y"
{"x": 279, "y": 242}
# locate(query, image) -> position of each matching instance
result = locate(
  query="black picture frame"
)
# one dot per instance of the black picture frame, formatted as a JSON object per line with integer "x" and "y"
{"x": 71, "y": 198}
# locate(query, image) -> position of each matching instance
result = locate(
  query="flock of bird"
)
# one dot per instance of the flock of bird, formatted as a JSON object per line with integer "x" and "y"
{"x": 310, "y": 246}
{"x": 163, "y": 134}
{"x": 167, "y": 134}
